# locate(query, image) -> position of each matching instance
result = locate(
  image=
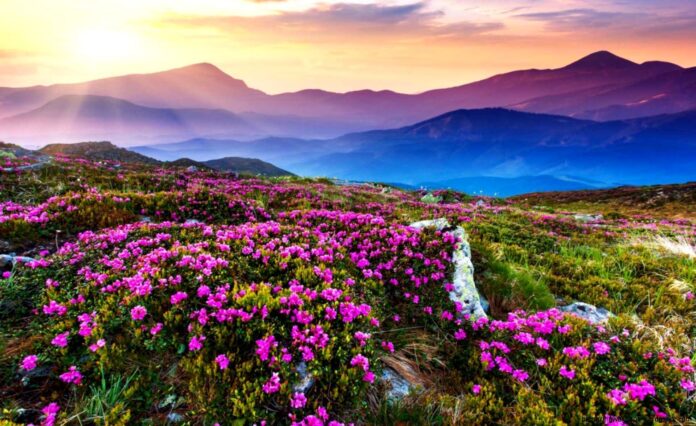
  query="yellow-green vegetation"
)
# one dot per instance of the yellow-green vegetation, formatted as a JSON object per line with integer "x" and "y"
{"x": 159, "y": 294}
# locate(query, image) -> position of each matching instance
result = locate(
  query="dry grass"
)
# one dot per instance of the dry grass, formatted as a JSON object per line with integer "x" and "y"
{"x": 417, "y": 359}
{"x": 679, "y": 245}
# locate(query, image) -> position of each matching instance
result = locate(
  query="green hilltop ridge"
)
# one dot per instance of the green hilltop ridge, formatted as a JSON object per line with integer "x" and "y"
{"x": 97, "y": 151}
{"x": 107, "y": 151}
{"x": 157, "y": 293}
{"x": 246, "y": 165}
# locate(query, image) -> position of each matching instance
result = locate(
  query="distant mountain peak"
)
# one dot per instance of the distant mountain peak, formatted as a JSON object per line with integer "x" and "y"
{"x": 598, "y": 61}
{"x": 205, "y": 70}
{"x": 202, "y": 66}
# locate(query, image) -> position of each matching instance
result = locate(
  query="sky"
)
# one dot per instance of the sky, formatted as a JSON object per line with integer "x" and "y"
{"x": 340, "y": 45}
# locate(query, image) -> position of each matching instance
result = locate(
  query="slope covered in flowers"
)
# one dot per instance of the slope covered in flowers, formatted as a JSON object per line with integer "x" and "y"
{"x": 162, "y": 295}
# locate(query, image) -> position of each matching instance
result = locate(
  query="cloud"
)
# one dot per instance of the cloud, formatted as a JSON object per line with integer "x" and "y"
{"x": 12, "y": 54}
{"x": 342, "y": 22}
{"x": 617, "y": 23}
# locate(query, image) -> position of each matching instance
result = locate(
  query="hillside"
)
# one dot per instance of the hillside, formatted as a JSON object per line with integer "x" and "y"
{"x": 304, "y": 300}
{"x": 97, "y": 151}
{"x": 503, "y": 143}
{"x": 505, "y": 187}
{"x": 250, "y": 166}
{"x": 600, "y": 86}
{"x": 187, "y": 162}
{"x": 84, "y": 117}
{"x": 666, "y": 200}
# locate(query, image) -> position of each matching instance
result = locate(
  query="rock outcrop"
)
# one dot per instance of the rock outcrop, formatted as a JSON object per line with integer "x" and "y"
{"x": 465, "y": 291}
{"x": 588, "y": 312}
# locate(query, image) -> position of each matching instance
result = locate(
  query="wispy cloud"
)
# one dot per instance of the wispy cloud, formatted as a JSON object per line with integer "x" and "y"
{"x": 343, "y": 21}
{"x": 623, "y": 23}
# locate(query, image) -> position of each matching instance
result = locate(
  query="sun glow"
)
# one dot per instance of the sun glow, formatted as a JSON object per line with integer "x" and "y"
{"x": 106, "y": 45}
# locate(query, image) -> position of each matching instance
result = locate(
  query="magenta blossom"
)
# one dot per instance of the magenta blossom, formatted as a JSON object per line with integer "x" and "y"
{"x": 50, "y": 413}
{"x": 98, "y": 345}
{"x": 178, "y": 297}
{"x": 72, "y": 376}
{"x": 298, "y": 400}
{"x": 29, "y": 362}
{"x": 196, "y": 343}
{"x": 138, "y": 313}
{"x": 61, "y": 340}
{"x": 222, "y": 361}
{"x": 567, "y": 373}
{"x": 272, "y": 385}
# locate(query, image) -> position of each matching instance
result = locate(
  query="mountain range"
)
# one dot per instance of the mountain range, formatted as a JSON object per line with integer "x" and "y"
{"x": 599, "y": 121}
{"x": 456, "y": 148}
{"x": 101, "y": 151}
{"x": 202, "y": 101}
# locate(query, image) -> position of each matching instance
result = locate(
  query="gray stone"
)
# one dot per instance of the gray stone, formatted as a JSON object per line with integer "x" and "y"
{"x": 9, "y": 259}
{"x": 465, "y": 291}
{"x": 192, "y": 221}
{"x": 175, "y": 417}
{"x": 588, "y": 312}
{"x": 306, "y": 378}
{"x": 397, "y": 387}
{"x": 582, "y": 217}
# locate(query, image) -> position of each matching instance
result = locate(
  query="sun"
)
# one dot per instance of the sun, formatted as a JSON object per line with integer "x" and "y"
{"x": 105, "y": 45}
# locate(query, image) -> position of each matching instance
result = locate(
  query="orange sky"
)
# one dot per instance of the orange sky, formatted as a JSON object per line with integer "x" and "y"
{"x": 284, "y": 45}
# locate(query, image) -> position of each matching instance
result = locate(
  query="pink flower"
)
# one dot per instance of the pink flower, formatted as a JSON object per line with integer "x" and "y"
{"x": 196, "y": 343}
{"x": 565, "y": 372}
{"x": 388, "y": 346}
{"x": 138, "y": 313}
{"x": 29, "y": 362}
{"x": 541, "y": 362}
{"x": 50, "y": 414}
{"x": 617, "y": 397}
{"x": 520, "y": 375}
{"x": 658, "y": 413}
{"x": 156, "y": 328}
{"x": 640, "y": 390}
{"x": 687, "y": 385}
{"x": 72, "y": 376}
{"x": 476, "y": 389}
{"x": 272, "y": 385}
{"x": 54, "y": 308}
{"x": 369, "y": 377}
{"x": 222, "y": 361}
{"x": 264, "y": 347}
{"x": 61, "y": 340}
{"x": 298, "y": 400}
{"x": 361, "y": 361}
{"x": 460, "y": 334}
{"x": 178, "y": 297}
{"x": 613, "y": 421}
{"x": 96, "y": 346}
{"x": 601, "y": 348}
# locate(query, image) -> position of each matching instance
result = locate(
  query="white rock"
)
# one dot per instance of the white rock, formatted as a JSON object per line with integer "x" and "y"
{"x": 465, "y": 291}
{"x": 8, "y": 259}
{"x": 306, "y": 379}
{"x": 582, "y": 217}
{"x": 397, "y": 386}
{"x": 588, "y": 312}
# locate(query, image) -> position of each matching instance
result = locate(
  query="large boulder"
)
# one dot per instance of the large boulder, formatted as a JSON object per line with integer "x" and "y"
{"x": 8, "y": 260}
{"x": 465, "y": 291}
{"x": 588, "y": 312}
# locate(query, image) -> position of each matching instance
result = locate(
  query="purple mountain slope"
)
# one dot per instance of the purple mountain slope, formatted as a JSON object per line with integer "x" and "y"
{"x": 600, "y": 86}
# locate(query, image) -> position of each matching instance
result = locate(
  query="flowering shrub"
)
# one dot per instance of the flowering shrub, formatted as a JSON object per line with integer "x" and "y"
{"x": 242, "y": 306}
{"x": 255, "y": 301}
